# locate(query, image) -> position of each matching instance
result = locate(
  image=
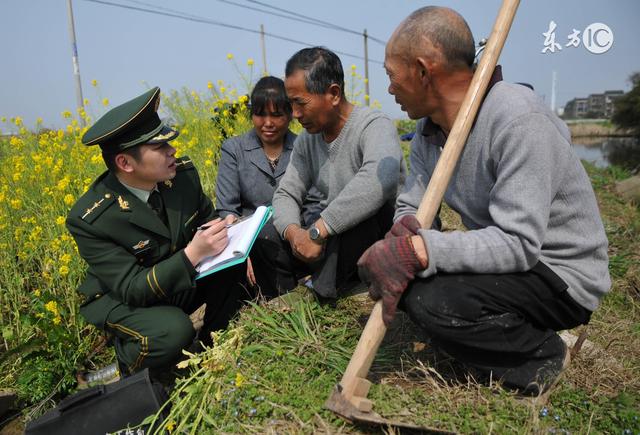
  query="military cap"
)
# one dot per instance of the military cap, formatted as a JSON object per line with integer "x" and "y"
{"x": 132, "y": 123}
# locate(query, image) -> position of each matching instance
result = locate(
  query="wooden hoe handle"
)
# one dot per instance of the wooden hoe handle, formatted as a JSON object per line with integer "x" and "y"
{"x": 354, "y": 386}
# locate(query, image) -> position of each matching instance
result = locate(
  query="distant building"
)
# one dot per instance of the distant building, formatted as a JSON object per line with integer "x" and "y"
{"x": 576, "y": 108}
{"x": 594, "y": 106}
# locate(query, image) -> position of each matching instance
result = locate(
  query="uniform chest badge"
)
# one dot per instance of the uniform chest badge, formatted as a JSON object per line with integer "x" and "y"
{"x": 124, "y": 205}
{"x": 141, "y": 244}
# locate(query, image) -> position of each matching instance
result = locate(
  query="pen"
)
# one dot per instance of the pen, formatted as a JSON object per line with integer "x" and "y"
{"x": 204, "y": 227}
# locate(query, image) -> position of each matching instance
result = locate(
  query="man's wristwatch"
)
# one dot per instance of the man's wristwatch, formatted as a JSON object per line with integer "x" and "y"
{"x": 314, "y": 234}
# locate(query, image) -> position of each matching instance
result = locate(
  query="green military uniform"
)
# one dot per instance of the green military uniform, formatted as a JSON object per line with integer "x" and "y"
{"x": 140, "y": 284}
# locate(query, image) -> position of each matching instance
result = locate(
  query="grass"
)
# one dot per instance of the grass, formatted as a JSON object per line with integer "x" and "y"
{"x": 272, "y": 371}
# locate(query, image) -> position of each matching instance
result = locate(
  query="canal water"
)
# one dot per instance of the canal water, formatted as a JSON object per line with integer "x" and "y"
{"x": 605, "y": 151}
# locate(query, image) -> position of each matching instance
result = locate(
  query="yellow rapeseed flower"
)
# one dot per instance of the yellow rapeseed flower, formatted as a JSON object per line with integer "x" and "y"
{"x": 209, "y": 85}
{"x": 57, "y": 320}
{"x": 239, "y": 379}
{"x": 94, "y": 82}
{"x": 170, "y": 426}
{"x": 68, "y": 199}
{"x": 105, "y": 102}
{"x": 3, "y": 119}
{"x": 37, "y": 293}
{"x": 64, "y": 270}
{"x": 222, "y": 89}
{"x": 229, "y": 56}
{"x": 52, "y": 307}
{"x": 66, "y": 114}
{"x": 85, "y": 102}
{"x": 353, "y": 67}
{"x": 18, "y": 121}
{"x": 250, "y": 62}
{"x": 60, "y": 220}
{"x": 39, "y": 120}
{"x": 16, "y": 204}
{"x": 65, "y": 258}
{"x": 208, "y": 162}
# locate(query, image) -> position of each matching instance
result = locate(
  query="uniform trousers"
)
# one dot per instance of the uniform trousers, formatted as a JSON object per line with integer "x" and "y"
{"x": 154, "y": 336}
{"x": 502, "y": 325}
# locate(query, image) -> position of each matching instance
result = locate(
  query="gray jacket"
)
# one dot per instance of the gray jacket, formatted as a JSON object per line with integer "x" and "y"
{"x": 522, "y": 193}
{"x": 245, "y": 180}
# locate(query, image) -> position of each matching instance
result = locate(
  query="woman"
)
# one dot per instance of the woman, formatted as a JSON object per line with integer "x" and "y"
{"x": 252, "y": 165}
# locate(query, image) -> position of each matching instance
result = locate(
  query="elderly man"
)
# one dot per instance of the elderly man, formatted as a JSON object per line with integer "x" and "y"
{"x": 534, "y": 258}
{"x": 352, "y": 156}
{"x": 137, "y": 229}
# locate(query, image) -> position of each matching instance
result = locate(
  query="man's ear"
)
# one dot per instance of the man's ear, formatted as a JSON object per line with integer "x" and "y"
{"x": 334, "y": 93}
{"x": 424, "y": 70}
{"x": 123, "y": 164}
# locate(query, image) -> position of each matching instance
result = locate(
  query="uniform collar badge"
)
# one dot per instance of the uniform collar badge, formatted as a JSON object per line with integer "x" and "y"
{"x": 168, "y": 183}
{"x": 124, "y": 205}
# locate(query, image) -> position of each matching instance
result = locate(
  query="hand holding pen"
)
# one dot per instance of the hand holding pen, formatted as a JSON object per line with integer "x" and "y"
{"x": 210, "y": 240}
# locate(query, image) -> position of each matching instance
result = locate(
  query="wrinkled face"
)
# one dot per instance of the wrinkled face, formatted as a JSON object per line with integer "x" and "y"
{"x": 313, "y": 111}
{"x": 405, "y": 85}
{"x": 271, "y": 125}
{"x": 157, "y": 163}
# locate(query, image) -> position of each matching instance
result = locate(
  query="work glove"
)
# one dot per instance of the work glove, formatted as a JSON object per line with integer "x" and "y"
{"x": 407, "y": 225}
{"x": 387, "y": 267}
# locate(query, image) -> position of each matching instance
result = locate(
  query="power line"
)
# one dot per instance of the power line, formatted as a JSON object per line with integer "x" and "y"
{"x": 300, "y": 18}
{"x": 324, "y": 23}
{"x": 181, "y": 15}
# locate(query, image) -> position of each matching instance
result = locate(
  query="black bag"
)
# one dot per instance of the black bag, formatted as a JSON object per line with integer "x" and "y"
{"x": 104, "y": 409}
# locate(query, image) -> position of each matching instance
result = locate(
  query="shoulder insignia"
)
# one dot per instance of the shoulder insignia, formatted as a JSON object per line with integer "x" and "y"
{"x": 124, "y": 205}
{"x": 168, "y": 183}
{"x": 141, "y": 244}
{"x": 96, "y": 209}
{"x": 184, "y": 163}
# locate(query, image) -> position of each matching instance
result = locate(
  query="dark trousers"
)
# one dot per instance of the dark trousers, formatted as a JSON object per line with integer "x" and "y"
{"x": 277, "y": 270}
{"x": 499, "y": 324}
{"x": 154, "y": 336}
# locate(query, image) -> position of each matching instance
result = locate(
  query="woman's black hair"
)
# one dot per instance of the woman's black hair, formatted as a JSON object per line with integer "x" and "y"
{"x": 269, "y": 89}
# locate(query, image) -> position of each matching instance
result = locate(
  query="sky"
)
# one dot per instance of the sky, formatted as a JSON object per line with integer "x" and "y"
{"x": 127, "y": 51}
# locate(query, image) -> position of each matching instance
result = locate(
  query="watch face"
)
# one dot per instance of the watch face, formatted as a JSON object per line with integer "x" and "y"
{"x": 314, "y": 233}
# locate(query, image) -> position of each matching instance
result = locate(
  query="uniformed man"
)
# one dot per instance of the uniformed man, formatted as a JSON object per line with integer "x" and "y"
{"x": 137, "y": 229}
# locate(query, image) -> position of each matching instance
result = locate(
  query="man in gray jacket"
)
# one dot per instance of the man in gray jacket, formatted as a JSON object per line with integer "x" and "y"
{"x": 534, "y": 258}
{"x": 352, "y": 156}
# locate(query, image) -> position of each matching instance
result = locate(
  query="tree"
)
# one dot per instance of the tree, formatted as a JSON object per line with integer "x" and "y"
{"x": 627, "y": 107}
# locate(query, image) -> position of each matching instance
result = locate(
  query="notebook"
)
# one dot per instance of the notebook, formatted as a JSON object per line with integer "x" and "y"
{"x": 241, "y": 238}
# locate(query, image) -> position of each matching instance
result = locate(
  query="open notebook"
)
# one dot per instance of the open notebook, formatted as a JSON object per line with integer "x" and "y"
{"x": 241, "y": 238}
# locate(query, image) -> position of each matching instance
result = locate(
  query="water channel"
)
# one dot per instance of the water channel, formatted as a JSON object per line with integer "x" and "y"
{"x": 605, "y": 151}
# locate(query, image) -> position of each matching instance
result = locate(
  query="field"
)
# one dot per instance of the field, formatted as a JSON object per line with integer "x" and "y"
{"x": 274, "y": 368}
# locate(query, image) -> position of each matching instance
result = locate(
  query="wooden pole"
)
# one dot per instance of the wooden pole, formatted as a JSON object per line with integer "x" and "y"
{"x": 366, "y": 68}
{"x": 354, "y": 387}
{"x": 265, "y": 72}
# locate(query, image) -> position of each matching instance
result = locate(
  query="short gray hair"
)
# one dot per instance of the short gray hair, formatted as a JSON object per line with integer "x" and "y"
{"x": 447, "y": 31}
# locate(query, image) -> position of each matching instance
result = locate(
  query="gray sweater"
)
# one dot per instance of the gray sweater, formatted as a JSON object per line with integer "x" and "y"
{"x": 357, "y": 173}
{"x": 521, "y": 192}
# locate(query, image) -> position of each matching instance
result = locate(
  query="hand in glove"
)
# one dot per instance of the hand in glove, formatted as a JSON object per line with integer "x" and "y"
{"x": 407, "y": 225}
{"x": 388, "y": 266}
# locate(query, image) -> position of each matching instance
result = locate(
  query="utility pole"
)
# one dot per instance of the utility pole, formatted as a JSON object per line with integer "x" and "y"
{"x": 553, "y": 91}
{"x": 264, "y": 52}
{"x": 366, "y": 68}
{"x": 74, "y": 53}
